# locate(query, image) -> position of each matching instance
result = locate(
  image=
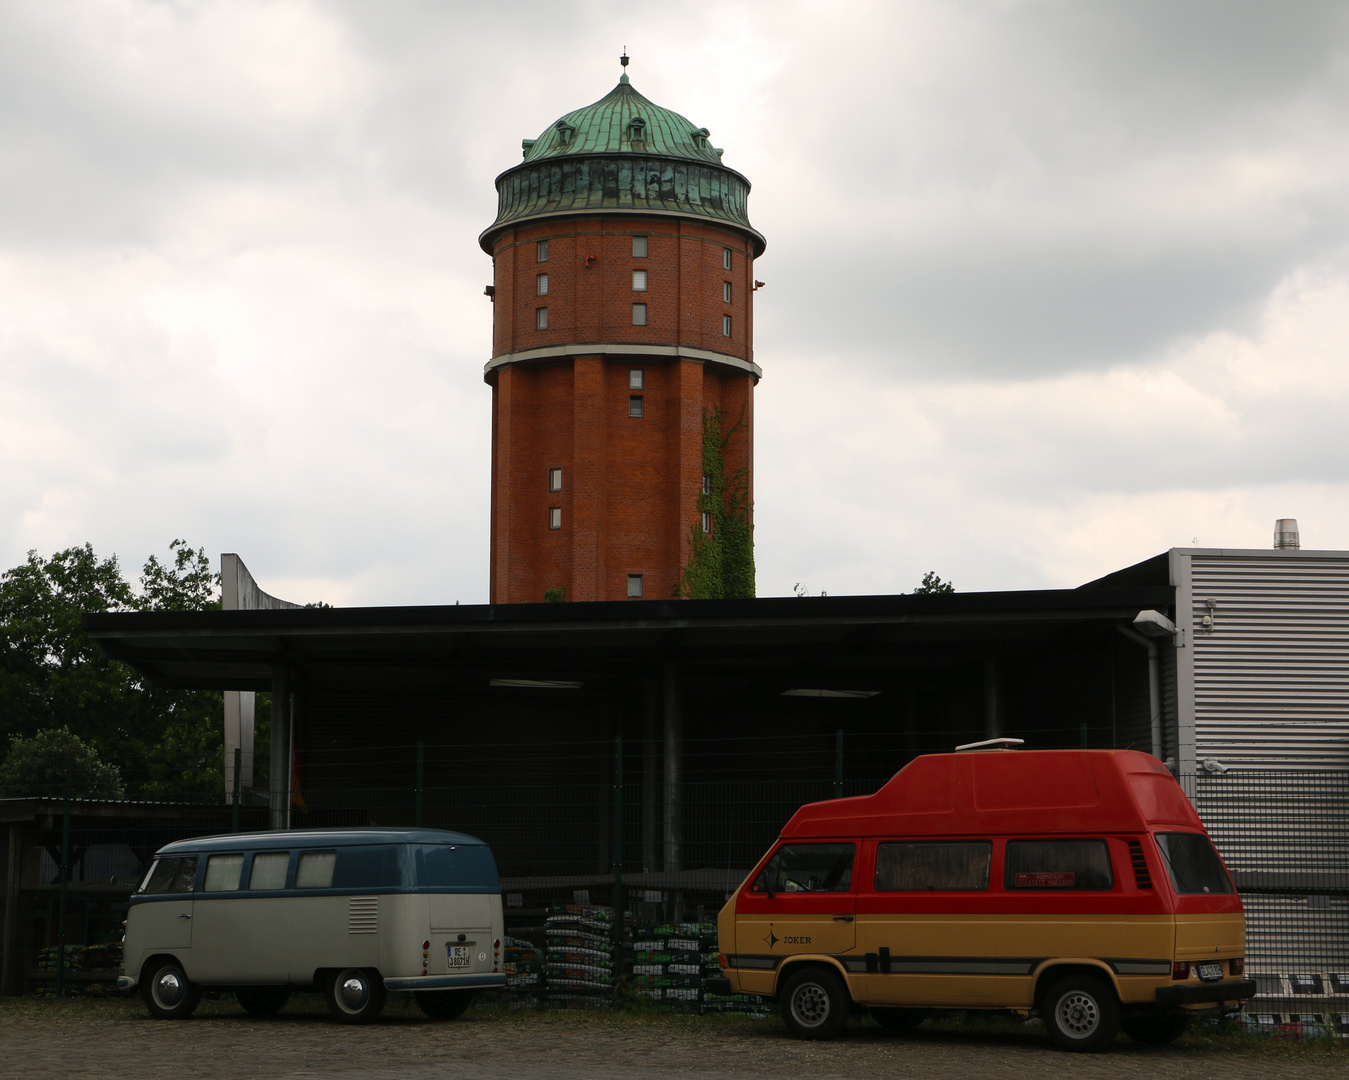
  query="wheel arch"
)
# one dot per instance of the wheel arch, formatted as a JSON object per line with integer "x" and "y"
{"x": 1048, "y": 973}
{"x": 793, "y": 964}
{"x": 160, "y": 958}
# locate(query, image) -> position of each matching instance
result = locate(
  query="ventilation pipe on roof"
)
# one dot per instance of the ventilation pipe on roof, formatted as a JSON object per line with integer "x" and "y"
{"x": 1286, "y": 535}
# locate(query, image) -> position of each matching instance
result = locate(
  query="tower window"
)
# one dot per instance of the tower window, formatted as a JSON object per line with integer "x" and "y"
{"x": 637, "y": 129}
{"x": 725, "y": 326}
{"x": 707, "y": 483}
{"x": 639, "y": 281}
{"x": 543, "y": 250}
{"x": 635, "y": 405}
{"x": 639, "y": 315}
{"x": 725, "y": 258}
{"x": 726, "y": 291}
{"x": 554, "y": 479}
{"x": 541, "y": 318}
{"x": 555, "y": 517}
{"x": 635, "y": 586}
{"x": 639, "y": 247}
{"x": 564, "y": 133}
{"x": 635, "y": 377}
{"x": 542, "y": 283}
{"x": 707, "y": 521}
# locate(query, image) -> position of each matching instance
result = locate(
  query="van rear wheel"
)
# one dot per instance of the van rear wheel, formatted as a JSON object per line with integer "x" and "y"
{"x": 1081, "y": 1013}
{"x": 355, "y": 995}
{"x": 262, "y": 1000}
{"x": 1154, "y": 1028}
{"x": 444, "y": 1004}
{"x": 814, "y": 1004}
{"x": 899, "y": 1021}
{"x": 166, "y": 991}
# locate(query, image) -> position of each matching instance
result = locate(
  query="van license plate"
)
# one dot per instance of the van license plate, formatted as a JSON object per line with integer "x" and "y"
{"x": 1210, "y": 972}
{"x": 458, "y": 956}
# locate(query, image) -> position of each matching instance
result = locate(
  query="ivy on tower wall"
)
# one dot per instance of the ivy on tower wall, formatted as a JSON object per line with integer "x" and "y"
{"x": 721, "y": 564}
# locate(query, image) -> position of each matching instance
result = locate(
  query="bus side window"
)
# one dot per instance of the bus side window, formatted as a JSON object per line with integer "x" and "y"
{"x": 269, "y": 871}
{"x": 1081, "y": 865}
{"x": 315, "y": 870}
{"x": 933, "y": 867}
{"x": 172, "y": 876}
{"x": 367, "y": 866}
{"x": 222, "y": 873}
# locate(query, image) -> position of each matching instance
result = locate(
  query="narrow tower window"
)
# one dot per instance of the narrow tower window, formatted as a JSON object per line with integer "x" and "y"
{"x": 635, "y": 585}
{"x": 725, "y": 258}
{"x": 707, "y": 483}
{"x": 543, "y": 284}
{"x": 639, "y": 315}
{"x": 726, "y": 291}
{"x": 635, "y": 376}
{"x": 541, "y": 318}
{"x": 543, "y": 251}
{"x": 555, "y": 517}
{"x": 639, "y": 281}
{"x": 637, "y": 130}
{"x": 554, "y": 479}
{"x": 635, "y": 405}
{"x": 639, "y": 247}
{"x": 726, "y": 326}
{"x": 707, "y": 522}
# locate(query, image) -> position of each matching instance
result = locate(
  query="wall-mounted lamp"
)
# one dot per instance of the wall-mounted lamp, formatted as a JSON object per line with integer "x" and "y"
{"x": 1155, "y": 624}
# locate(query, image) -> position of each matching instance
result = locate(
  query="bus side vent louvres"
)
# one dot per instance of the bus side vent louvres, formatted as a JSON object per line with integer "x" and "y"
{"x": 1141, "y": 876}
{"x": 363, "y": 915}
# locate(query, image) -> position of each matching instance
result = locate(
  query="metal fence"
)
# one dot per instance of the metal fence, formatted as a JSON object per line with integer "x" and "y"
{"x": 587, "y": 824}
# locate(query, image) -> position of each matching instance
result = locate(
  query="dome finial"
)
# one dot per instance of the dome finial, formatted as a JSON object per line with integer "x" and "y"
{"x": 624, "y": 61}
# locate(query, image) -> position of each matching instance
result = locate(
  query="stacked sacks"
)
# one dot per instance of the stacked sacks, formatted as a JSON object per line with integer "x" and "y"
{"x": 669, "y": 962}
{"x": 522, "y": 963}
{"x": 580, "y": 953}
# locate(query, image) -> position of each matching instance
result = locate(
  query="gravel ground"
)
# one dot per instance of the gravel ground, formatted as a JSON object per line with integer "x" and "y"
{"x": 110, "y": 1040}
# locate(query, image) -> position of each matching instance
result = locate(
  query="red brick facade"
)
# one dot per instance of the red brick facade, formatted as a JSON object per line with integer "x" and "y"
{"x": 561, "y": 398}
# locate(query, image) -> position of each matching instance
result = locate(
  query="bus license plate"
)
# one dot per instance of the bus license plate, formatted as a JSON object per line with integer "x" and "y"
{"x": 1210, "y": 972}
{"x": 458, "y": 955}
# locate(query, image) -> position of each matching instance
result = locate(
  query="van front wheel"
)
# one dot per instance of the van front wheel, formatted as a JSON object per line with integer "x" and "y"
{"x": 1081, "y": 1013}
{"x": 814, "y": 1004}
{"x": 355, "y": 995}
{"x": 166, "y": 991}
{"x": 444, "y": 1004}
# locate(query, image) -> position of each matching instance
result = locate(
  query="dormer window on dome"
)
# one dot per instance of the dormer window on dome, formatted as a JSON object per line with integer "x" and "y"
{"x": 565, "y": 133}
{"x": 700, "y": 138}
{"x": 637, "y": 130}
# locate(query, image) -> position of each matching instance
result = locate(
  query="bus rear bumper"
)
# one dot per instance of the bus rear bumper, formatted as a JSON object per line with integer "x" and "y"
{"x": 447, "y": 982}
{"x": 1210, "y": 993}
{"x": 126, "y": 982}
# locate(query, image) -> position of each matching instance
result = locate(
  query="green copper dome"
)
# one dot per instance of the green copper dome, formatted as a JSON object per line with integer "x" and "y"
{"x": 624, "y": 155}
{"x": 623, "y": 121}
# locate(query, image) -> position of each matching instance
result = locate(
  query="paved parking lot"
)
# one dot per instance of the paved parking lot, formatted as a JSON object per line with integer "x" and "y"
{"x": 115, "y": 1040}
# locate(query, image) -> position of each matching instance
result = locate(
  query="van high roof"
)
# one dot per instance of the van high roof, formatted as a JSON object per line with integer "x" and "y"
{"x": 1003, "y": 792}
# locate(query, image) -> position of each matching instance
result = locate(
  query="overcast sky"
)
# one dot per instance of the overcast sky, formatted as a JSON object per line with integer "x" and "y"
{"x": 1051, "y": 287}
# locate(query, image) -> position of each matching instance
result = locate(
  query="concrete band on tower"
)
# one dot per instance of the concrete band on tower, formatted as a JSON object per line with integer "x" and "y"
{"x": 623, "y": 323}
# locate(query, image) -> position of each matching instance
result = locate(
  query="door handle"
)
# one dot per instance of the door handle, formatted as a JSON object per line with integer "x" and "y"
{"x": 184, "y": 916}
{"x": 843, "y": 918}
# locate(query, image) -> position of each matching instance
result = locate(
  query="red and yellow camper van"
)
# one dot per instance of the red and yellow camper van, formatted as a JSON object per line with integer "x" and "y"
{"x": 1079, "y": 886}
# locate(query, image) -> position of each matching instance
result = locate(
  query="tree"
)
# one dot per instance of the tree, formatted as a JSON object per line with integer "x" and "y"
{"x": 933, "y": 584}
{"x": 35, "y": 768}
{"x": 52, "y": 676}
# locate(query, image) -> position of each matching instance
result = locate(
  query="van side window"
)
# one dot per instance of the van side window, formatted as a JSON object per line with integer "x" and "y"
{"x": 171, "y": 876}
{"x": 222, "y": 873}
{"x": 269, "y": 870}
{"x": 1081, "y": 865}
{"x": 949, "y": 867}
{"x": 367, "y": 866}
{"x": 808, "y": 868}
{"x": 315, "y": 870}
{"x": 1193, "y": 864}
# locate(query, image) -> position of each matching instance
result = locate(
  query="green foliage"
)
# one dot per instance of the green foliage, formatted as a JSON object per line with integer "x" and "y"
{"x": 933, "y": 584}
{"x": 52, "y": 676}
{"x": 35, "y": 768}
{"x": 556, "y": 595}
{"x": 721, "y": 563}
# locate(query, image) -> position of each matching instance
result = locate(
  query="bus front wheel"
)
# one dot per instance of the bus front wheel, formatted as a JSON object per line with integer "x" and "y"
{"x": 814, "y": 1003}
{"x": 166, "y": 991}
{"x": 444, "y": 1004}
{"x": 355, "y": 995}
{"x": 1081, "y": 1013}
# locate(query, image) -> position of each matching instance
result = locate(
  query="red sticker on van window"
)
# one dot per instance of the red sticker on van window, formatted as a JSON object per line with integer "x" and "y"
{"x": 1061, "y": 880}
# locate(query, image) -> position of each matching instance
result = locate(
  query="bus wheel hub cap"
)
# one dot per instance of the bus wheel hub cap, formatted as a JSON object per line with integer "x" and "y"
{"x": 170, "y": 988}
{"x": 1077, "y": 1014}
{"x": 811, "y": 1005}
{"x": 353, "y": 993}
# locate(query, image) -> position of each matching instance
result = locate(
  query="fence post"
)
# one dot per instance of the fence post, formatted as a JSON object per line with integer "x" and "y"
{"x": 421, "y": 780}
{"x": 65, "y": 876}
{"x": 1084, "y": 736}
{"x": 235, "y": 794}
{"x": 618, "y": 858}
{"x": 838, "y": 764}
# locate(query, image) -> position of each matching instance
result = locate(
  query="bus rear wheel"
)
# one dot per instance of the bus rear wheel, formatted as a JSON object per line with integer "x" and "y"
{"x": 166, "y": 991}
{"x": 262, "y": 1000}
{"x": 814, "y": 1004}
{"x": 1081, "y": 1013}
{"x": 444, "y": 1004}
{"x": 355, "y": 995}
{"x": 1154, "y": 1028}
